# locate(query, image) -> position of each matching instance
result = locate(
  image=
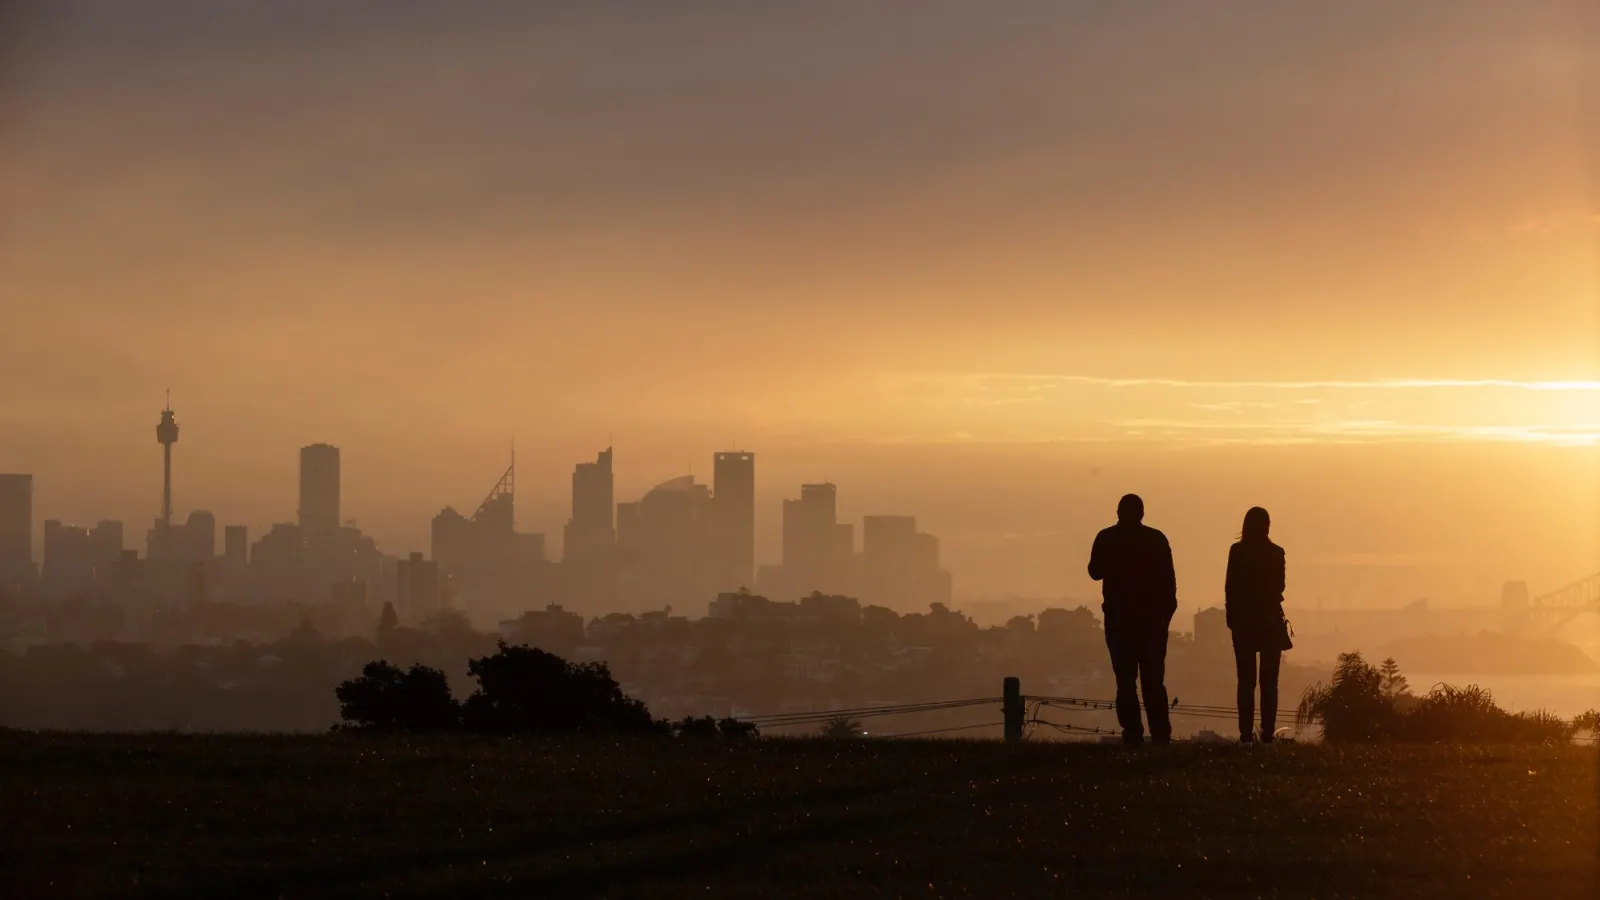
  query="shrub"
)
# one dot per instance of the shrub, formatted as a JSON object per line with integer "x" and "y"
{"x": 710, "y": 727}
{"x": 385, "y": 698}
{"x": 1364, "y": 703}
{"x": 523, "y": 690}
{"x": 1354, "y": 707}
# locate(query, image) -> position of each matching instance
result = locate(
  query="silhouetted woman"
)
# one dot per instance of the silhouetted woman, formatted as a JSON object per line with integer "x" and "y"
{"x": 1254, "y": 592}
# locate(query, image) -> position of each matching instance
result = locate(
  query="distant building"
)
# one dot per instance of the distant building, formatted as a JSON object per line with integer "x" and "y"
{"x": 1516, "y": 609}
{"x": 16, "y": 525}
{"x": 236, "y": 546}
{"x": 589, "y": 535}
{"x": 817, "y": 548}
{"x": 1211, "y": 630}
{"x": 733, "y": 519}
{"x": 198, "y": 543}
{"x": 68, "y": 563}
{"x": 105, "y": 545}
{"x": 418, "y": 591}
{"x": 552, "y": 629}
{"x": 319, "y": 494}
{"x": 350, "y": 597}
{"x": 490, "y": 566}
{"x": 900, "y": 565}
{"x": 668, "y": 552}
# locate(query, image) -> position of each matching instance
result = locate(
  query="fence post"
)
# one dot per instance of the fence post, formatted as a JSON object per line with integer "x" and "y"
{"x": 1013, "y": 709}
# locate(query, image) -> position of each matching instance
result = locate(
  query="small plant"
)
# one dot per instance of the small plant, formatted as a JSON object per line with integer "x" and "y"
{"x": 1353, "y": 708}
{"x": 842, "y": 728}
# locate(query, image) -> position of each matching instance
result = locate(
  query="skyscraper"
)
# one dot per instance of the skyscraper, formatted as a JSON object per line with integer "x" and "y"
{"x": 417, "y": 588}
{"x": 319, "y": 493}
{"x": 236, "y": 546}
{"x": 16, "y": 523}
{"x": 816, "y": 547}
{"x": 733, "y": 519}
{"x": 68, "y": 568}
{"x": 900, "y": 565}
{"x": 589, "y": 534}
{"x": 199, "y": 540}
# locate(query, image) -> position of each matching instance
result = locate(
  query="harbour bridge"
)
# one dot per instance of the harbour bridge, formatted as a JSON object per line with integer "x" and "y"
{"x": 1564, "y": 604}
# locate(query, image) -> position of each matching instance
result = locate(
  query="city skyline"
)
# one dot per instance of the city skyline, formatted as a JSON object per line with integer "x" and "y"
{"x": 681, "y": 543}
{"x": 770, "y": 506}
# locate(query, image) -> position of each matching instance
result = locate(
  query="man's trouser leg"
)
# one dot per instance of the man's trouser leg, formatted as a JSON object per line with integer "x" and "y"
{"x": 1123, "y": 642}
{"x": 1153, "y": 678}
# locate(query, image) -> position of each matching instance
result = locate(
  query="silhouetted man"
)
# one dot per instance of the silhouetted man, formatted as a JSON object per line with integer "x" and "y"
{"x": 1134, "y": 563}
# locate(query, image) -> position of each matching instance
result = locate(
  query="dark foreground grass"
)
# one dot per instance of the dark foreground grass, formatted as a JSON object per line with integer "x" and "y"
{"x": 335, "y": 816}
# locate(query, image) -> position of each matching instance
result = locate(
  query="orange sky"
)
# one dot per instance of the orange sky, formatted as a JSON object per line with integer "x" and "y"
{"x": 954, "y": 257}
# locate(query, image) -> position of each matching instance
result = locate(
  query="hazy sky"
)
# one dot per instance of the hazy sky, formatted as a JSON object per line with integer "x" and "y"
{"x": 988, "y": 263}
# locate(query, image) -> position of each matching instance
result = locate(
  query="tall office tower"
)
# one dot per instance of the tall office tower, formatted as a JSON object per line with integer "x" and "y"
{"x": 199, "y": 540}
{"x": 589, "y": 534}
{"x": 900, "y": 565}
{"x": 733, "y": 519}
{"x": 888, "y": 554}
{"x": 816, "y": 546}
{"x": 105, "y": 546}
{"x": 236, "y": 545}
{"x": 319, "y": 494}
{"x": 160, "y": 543}
{"x": 417, "y": 588}
{"x": 16, "y": 526}
{"x": 68, "y": 569}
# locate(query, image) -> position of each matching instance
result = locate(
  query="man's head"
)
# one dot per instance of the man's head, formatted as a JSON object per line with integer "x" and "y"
{"x": 1130, "y": 509}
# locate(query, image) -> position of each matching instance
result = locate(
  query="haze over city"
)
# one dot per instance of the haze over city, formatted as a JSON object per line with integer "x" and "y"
{"x": 668, "y": 448}
{"x": 989, "y": 269}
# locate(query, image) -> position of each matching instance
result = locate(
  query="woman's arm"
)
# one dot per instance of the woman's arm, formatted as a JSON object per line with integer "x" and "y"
{"x": 1282, "y": 568}
{"x": 1231, "y": 584}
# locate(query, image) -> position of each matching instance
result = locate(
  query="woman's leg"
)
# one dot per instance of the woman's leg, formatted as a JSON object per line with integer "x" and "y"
{"x": 1244, "y": 661}
{"x": 1270, "y": 661}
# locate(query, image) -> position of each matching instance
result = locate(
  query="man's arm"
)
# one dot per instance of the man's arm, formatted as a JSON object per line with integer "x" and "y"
{"x": 1169, "y": 578}
{"x": 1097, "y": 560}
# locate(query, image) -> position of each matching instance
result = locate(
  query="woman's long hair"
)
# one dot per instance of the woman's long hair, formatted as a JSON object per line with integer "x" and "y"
{"x": 1256, "y": 525}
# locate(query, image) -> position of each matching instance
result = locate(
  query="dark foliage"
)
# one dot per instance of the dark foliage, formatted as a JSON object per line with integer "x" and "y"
{"x": 1450, "y": 714}
{"x": 385, "y": 698}
{"x": 711, "y": 727}
{"x": 524, "y": 690}
{"x": 1354, "y": 707}
{"x": 841, "y": 728}
{"x": 1364, "y": 703}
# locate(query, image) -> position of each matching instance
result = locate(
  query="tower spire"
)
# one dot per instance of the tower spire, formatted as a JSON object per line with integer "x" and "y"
{"x": 166, "y": 436}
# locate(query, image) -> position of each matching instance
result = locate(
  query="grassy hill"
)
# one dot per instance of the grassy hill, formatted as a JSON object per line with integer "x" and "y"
{"x": 335, "y": 816}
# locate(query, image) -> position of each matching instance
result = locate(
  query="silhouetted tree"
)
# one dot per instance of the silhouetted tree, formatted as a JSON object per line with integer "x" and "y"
{"x": 841, "y": 727}
{"x": 1021, "y": 624}
{"x": 711, "y": 727}
{"x": 1394, "y": 683}
{"x": 1353, "y": 707}
{"x": 386, "y": 699}
{"x": 525, "y": 690}
{"x": 733, "y": 729}
{"x": 696, "y": 727}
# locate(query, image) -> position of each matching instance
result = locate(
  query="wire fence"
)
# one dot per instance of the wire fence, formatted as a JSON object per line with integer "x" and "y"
{"x": 1032, "y": 711}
